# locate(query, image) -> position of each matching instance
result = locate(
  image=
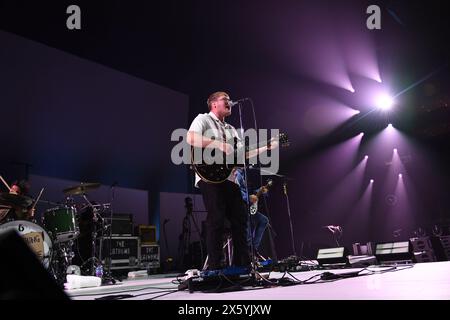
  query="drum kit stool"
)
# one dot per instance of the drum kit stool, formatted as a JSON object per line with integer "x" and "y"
{"x": 55, "y": 237}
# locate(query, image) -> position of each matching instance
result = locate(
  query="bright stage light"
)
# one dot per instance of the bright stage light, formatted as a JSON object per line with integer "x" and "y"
{"x": 366, "y": 157}
{"x": 371, "y": 180}
{"x": 384, "y": 102}
{"x": 395, "y": 149}
{"x": 390, "y": 125}
{"x": 400, "y": 175}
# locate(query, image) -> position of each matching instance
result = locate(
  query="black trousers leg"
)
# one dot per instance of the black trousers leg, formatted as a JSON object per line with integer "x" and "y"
{"x": 214, "y": 198}
{"x": 225, "y": 200}
{"x": 237, "y": 215}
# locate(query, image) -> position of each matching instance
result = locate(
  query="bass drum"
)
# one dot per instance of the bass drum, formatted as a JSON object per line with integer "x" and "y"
{"x": 35, "y": 236}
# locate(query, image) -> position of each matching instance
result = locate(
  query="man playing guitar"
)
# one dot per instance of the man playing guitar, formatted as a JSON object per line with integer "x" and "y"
{"x": 222, "y": 200}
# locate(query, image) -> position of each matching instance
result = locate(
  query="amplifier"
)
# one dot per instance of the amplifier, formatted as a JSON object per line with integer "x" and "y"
{"x": 150, "y": 256}
{"x": 146, "y": 233}
{"x": 424, "y": 256}
{"x": 122, "y": 224}
{"x": 445, "y": 242}
{"x": 125, "y": 252}
{"x": 421, "y": 244}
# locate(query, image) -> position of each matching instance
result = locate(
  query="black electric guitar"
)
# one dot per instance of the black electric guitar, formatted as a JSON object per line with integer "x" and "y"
{"x": 212, "y": 172}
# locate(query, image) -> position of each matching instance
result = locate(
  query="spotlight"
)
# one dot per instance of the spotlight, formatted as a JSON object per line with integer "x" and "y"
{"x": 384, "y": 102}
{"x": 361, "y": 134}
{"x": 395, "y": 149}
{"x": 393, "y": 252}
{"x": 352, "y": 90}
{"x": 332, "y": 256}
{"x": 366, "y": 157}
{"x": 400, "y": 175}
{"x": 389, "y": 125}
{"x": 371, "y": 180}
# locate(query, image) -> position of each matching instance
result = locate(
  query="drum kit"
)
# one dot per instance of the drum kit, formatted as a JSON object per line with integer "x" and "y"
{"x": 57, "y": 237}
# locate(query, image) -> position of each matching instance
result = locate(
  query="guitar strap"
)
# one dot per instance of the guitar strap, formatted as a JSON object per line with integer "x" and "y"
{"x": 219, "y": 129}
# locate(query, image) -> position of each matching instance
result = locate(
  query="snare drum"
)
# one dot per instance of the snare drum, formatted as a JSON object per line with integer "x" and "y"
{"x": 61, "y": 224}
{"x": 35, "y": 236}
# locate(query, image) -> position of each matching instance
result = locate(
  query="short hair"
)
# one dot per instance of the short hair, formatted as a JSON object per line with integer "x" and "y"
{"x": 23, "y": 185}
{"x": 214, "y": 96}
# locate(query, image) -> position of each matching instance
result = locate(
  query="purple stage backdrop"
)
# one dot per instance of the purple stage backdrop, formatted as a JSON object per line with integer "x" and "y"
{"x": 74, "y": 119}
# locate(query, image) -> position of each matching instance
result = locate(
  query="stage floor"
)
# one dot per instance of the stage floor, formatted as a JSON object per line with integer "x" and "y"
{"x": 423, "y": 281}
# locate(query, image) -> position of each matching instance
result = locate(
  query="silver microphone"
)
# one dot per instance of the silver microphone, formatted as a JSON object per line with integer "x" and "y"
{"x": 233, "y": 103}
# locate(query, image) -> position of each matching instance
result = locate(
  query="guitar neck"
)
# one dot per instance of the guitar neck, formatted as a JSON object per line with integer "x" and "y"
{"x": 259, "y": 193}
{"x": 256, "y": 146}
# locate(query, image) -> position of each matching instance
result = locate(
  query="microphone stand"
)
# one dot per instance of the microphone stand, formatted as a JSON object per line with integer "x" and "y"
{"x": 249, "y": 221}
{"x": 289, "y": 215}
{"x": 272, "y": 232}
{"x": 107, "y": 276}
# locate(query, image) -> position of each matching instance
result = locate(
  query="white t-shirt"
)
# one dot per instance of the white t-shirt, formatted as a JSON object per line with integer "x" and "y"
{"x": 209, "y": 121}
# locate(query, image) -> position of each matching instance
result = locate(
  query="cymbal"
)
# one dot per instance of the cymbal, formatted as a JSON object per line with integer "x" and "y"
{"x": 81, "y": 188}
{"x": 15, "y": 200}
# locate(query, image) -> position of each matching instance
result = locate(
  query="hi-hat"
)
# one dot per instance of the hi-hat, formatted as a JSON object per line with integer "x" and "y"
{"x": 15, "y": 200}
{"x": 81, "y": 188}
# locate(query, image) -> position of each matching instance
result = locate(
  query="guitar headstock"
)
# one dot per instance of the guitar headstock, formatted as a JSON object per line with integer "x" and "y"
{"x": 269, "y": 183}
{"x": 283, "y": 139}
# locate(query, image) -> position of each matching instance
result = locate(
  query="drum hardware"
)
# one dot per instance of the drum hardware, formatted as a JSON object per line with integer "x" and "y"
{"x": 107, "y": 276}
{"x": 53, "y": 241}
{"x": 98, "y": 223}
{"x": 61, "y": 260}
{"x": 96, "y": 218}
{"x": 59, "y": 229}
{"x": 15, "y": 200}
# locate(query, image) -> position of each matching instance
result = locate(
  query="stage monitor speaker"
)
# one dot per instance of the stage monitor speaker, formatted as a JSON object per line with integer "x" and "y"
{"x": 394, "y": 252}
{"x": 332, "y": 256}
{"x": 23, "y": 276}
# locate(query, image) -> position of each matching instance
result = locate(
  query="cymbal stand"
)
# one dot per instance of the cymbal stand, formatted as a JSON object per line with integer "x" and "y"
{"x": 107, "y": 275}
{"x": 94, "y": 235}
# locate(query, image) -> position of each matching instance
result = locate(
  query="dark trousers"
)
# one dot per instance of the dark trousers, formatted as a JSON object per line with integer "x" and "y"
{"x": 224, "y": 200}
{"x": 256, "y": 229}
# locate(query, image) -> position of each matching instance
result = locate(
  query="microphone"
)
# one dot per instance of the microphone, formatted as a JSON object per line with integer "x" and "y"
{"x": 333, "y": 229}
{"x": 233, "y": 103}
